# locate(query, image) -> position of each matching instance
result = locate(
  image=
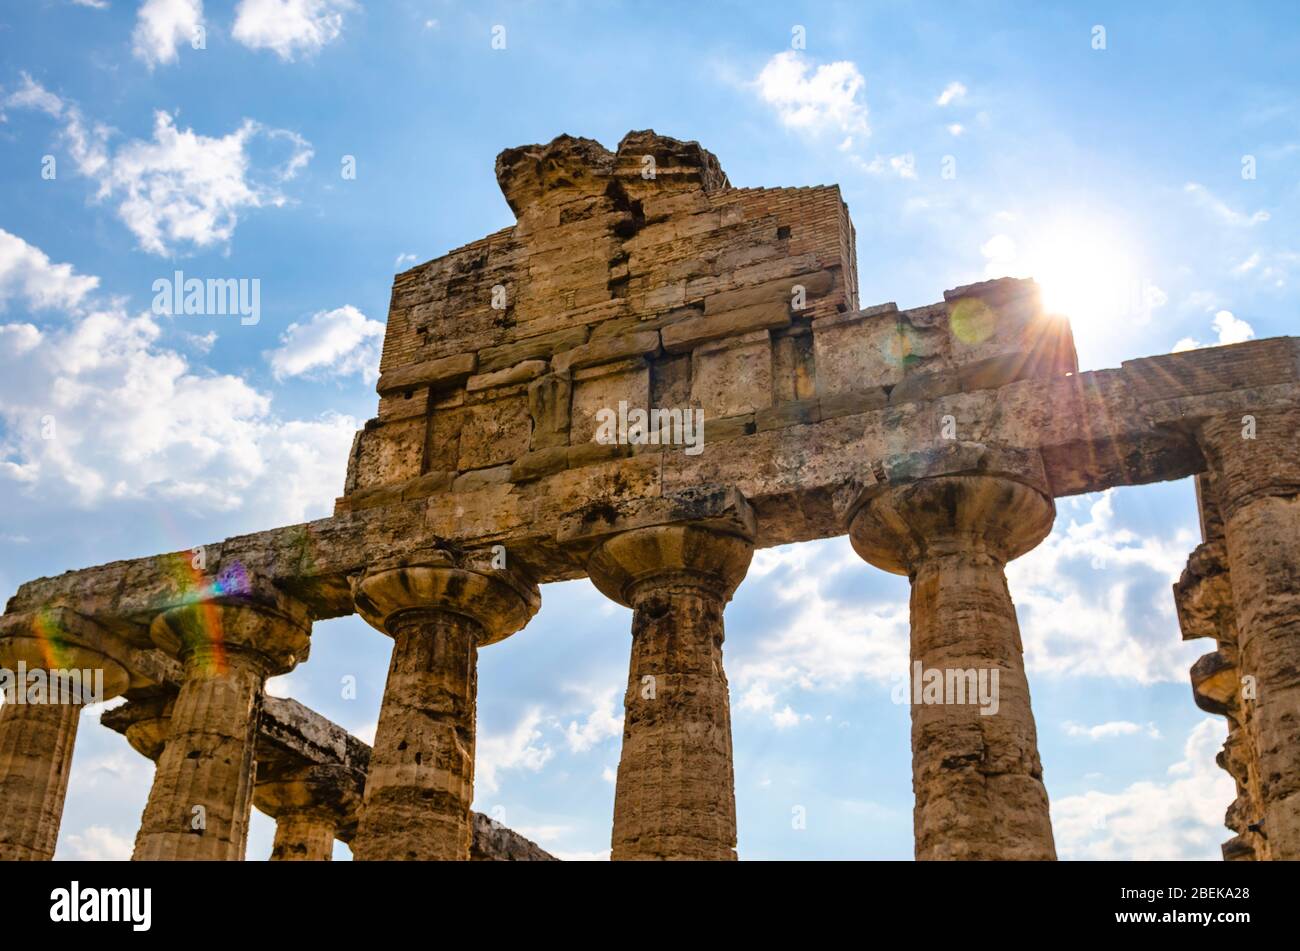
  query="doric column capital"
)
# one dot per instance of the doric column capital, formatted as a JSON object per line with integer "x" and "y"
{"x": 263, "y": 624}
{"x": 500, "y": 600}
{"x": 897, "y": 527}
{"x": 144, "y": 721}
{"x": 60, "y": 639}
{"x": 631, "y": 563}
{"x": 329, "y": 789}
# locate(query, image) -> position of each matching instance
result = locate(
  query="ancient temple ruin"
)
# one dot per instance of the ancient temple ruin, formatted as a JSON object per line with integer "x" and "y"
{"x": 937, "y": 438}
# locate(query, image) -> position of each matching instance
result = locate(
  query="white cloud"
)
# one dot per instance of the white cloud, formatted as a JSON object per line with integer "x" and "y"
{"x": 405, "y": 257}
{"x": 1112, "y": 728}
{"x": 1229, "y": 328}
{"x": 952, "y": 92}
{"x": 1094, "y": 598}
{"x": 94, "y": 407}
{"x": 289, "y": 27}
{"x": 26, "y": 273}
{"x": 814, "y": 99}
{"x": 1247, "y": 265}
{"x": 956, "y": 129}
{"x": 32, "y": 95}
{"x": 518, "y": 749}
{"x": 603, "y": 722}
{"x": 1220, "y": 209}
{"x": 827, "y": 643}
{"x": 181, "y": 188}
{"x": 785, "y": 718}
{"x": 93, "y": 4}
{"x": 336, "y": 342}
{"x": 904, "y": 166}
{"x": 97, "y": 844}
{"x": 161, "y": 26}
{"x": 1179, "y": 819}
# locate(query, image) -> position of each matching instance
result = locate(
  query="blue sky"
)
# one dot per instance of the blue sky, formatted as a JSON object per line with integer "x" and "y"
{"x": 1151, "y": 185}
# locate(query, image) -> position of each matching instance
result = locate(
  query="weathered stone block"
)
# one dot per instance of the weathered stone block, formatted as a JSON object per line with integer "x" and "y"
{"x": 548, "y": 403}
{"x": 445, "y": 371}
{"x": 733, "y": 376}
{"x": 631, "y": 382}
{"x": 690, "y": 333}
{"x": 391, "y": 452}
{"x": 494, "y": 433}
{"x": 519, "y": 373}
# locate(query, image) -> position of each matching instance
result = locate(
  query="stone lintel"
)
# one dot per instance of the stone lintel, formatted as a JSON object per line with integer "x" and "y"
{"x": 1092, "y": 431}
{"x": 723, "y": 508}
{"x": 441, "y": 372}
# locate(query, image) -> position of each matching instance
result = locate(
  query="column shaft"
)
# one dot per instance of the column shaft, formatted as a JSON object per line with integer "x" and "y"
{"x": 36, "y": 741}
{"x": 303, "y": 837}
{"x": 202, "y": 791}
{"x": 421, "y": 779}
{"x": 675, "y": 796}
{"x": 1258, "y": 480}
{"x": 977, "y": 776}
{"x": 976, "y": 773}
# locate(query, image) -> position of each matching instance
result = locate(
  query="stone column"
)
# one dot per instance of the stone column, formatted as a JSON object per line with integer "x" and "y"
{"x": 202, "y": 790}
{"x": 976, "y": 773}
{"x": 675, "y": 795}
{"x": 1255, "y": 463}
{"x": 38, "y": 729}
{"x": 439, "y": 609}
{"x": 309, "y": 803}
{"x": 1203, "y": 596}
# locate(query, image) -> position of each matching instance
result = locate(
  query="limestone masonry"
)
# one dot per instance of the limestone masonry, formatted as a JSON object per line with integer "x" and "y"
{"x": 937, "y": 438}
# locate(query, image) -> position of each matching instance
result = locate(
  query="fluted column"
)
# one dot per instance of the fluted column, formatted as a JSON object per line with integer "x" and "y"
{"x": 199, "y": 805}
{"x": 1256, "y": 468}
{"x": 1203, "y": 597}
{"x": 39, "y": 729}
{"x": 309, "y": 803}
{"x": 439, "y": 609}
{"x": 675, "y": 794}
{"x": 976, "y": 772}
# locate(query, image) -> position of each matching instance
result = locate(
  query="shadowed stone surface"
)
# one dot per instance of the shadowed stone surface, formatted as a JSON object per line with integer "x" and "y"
{"x": 202, "y": 791}
{"x": 675, "y": 791}
{"x": 421, "y": 779}
{"x": 975, "y": 768}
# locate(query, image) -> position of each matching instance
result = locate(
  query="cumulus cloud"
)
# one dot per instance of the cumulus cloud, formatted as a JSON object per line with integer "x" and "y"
{"x": 1221, "y": 210}
{"x": 1228, "y": 327}
{"x": 807, "y": 98}
{"x": 163, "y": 25}
{"x": 97, "y": 844}
{"x": 603, "y": 722}
{"x": 95, "y": 407}
{"x": 1094, "y": 598}
{"x": 951, "y": 93}
{"x": 289, "y": 27}
{"x": 26, "y": 273}
{"x": 337, "y": 342}
{"x": 182, "y": 188}
{"x": 520, "y": 748}
{"x": 1178, "y": 819}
